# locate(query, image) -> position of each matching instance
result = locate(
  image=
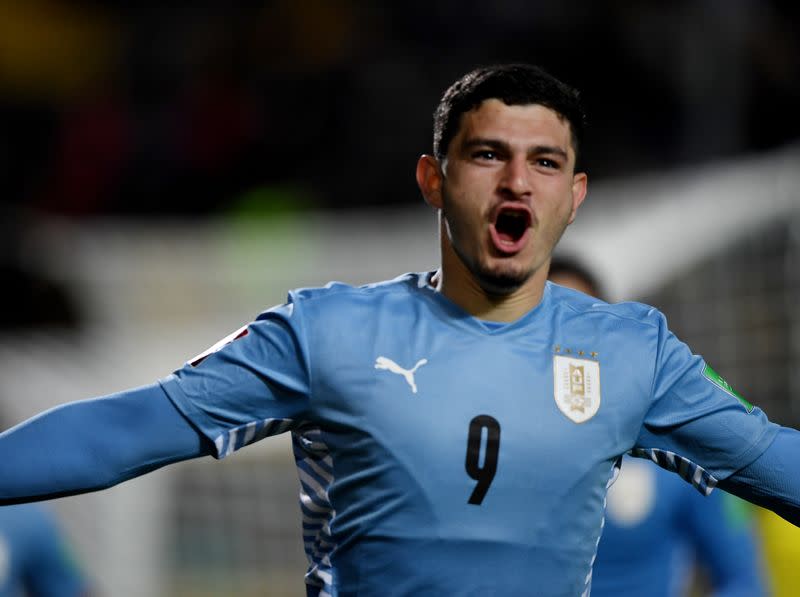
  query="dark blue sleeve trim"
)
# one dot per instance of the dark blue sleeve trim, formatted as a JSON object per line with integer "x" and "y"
{"x": 93, "y": 444}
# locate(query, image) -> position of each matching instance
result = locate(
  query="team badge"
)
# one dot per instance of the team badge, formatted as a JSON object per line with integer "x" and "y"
{"x": 576, "y": 387}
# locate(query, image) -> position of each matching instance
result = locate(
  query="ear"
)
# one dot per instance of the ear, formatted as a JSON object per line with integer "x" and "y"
{"x": 429, "y": 180}
{"x": 579, "y": 186}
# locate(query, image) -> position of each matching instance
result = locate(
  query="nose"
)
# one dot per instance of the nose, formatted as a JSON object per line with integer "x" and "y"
{"x": 515, "y": 178}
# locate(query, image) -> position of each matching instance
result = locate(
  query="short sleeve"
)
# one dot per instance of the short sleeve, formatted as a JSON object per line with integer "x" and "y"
{"x": 696, "y": 424}
{"x": 250, "y": 385}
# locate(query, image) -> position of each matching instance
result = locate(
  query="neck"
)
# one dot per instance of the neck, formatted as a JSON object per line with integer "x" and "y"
{"x": 458, "y": 284}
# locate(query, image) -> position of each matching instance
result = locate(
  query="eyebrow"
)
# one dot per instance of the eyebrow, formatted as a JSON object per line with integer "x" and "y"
{"x": 497, "y": 144}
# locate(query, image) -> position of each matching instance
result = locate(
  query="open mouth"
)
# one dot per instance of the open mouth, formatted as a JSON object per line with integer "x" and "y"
{"x": 510, "y": 228}
{"x": 511, "y": 225}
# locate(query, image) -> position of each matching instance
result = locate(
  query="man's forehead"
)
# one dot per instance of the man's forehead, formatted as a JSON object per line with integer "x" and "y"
{"x": 495, "y": 109}
{"x": 515, "y": 120}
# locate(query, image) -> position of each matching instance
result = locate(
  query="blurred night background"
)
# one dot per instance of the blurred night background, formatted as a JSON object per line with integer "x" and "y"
{"x": 168, "y": 170}
{"x": 139, "y": 108}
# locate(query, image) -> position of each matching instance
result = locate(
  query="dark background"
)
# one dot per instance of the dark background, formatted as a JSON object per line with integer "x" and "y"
{"x": 133, "y": 108}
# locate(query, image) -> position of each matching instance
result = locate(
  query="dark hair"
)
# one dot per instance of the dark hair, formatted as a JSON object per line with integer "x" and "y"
{"x": 569, "y": 266}
{"x": 514, "y": 85}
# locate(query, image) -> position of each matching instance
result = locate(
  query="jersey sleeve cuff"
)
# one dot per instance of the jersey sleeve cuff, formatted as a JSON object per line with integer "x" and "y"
{"x": 172, "y": 388}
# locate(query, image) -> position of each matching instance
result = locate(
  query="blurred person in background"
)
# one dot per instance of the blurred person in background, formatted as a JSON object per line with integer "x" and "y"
{"x": 449, "y": 429}
{"x": 35, "y": 556}
{"x": 35, "y": 560}
{"x": 658, "y": 530}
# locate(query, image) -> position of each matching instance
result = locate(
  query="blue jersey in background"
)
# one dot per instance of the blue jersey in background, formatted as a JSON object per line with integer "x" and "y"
{"x": 34, "y": 559}
{"x": 657, "y": 529}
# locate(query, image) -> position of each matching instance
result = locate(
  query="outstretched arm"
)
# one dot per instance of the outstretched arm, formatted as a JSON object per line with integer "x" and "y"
{"x": 773, "y": 479}
{"x": 93, "y": 444}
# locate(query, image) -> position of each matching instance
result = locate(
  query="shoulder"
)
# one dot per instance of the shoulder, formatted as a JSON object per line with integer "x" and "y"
{"x": 574, "y": 304}
{"x": 29, "y": 520}
{"x": 27, "y": 512}
{"x": 334, "y": 293}
{"x": 347, "y": 304}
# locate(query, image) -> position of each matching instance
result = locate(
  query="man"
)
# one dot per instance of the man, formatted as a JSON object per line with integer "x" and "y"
{"x": 34, "y": 557}
{"x": 454, "y": 431}
{"x": 657, "y": 528}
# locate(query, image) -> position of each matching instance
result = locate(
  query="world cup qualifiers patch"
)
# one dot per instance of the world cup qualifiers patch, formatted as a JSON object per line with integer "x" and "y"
{"x": 576, "y": 387}
{"x": 717, "y": 380}
{"x": 240, "y": 333}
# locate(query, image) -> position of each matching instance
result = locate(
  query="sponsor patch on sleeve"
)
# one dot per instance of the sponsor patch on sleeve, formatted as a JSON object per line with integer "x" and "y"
{"x": 717, "y": 380}
{"x": 240, "y": 333}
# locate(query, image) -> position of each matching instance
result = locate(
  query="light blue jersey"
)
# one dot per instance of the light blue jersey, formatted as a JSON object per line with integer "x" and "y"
{"x": 441, "y": 455}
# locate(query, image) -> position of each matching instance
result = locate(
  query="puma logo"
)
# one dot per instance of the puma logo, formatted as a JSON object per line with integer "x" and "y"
{"x": 408, "y": 374}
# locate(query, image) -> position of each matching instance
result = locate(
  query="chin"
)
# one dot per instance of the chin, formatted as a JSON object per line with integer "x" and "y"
{"x": 498, "y": 277}
{"x": 496, "y": 283}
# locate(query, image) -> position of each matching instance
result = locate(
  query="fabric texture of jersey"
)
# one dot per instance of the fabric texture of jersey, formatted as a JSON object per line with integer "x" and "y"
{"x": 658, "y": 530}
{"x": 33, "y": 557}
{"x": 439, "y": 455}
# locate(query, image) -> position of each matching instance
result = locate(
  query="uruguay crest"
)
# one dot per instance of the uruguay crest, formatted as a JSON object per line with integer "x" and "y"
{"x": 576, "y": 387}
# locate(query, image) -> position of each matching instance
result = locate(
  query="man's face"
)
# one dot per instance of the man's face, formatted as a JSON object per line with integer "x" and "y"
{"x": 509, "y": 191}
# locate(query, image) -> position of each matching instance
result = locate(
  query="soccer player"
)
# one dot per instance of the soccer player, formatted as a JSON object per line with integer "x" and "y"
{"x": 34, "y": 557}
{"x": 455, "y": 430}
{"x": 657, "y": 528}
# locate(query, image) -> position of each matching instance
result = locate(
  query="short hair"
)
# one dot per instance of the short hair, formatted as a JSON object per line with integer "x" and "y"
{"x": 570, "y": 266}
{"x": 514, "y": 85}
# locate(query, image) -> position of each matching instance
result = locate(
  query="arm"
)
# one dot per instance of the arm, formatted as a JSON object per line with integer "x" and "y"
{"x": 93, "y": 444}
{"x": 773, "y": 479}
{"x": 699, "y": 427}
